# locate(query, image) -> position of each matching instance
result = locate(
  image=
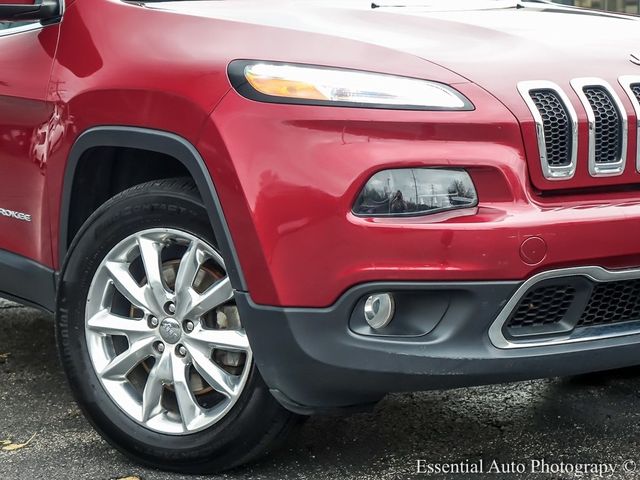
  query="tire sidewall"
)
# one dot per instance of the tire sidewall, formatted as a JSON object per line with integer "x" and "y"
{"x": 221, "y": 443}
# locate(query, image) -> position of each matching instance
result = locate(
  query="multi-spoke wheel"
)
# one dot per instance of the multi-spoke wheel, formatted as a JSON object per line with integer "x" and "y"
{"x": 152, "y": 340}
{"x": 164, "y": 339}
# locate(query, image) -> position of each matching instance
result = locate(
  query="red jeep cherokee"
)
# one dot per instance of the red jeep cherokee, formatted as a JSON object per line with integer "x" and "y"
{"x": 243, "y": 211}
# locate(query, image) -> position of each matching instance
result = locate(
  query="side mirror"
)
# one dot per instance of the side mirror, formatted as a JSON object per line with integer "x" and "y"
{"x": 17, "y": 12}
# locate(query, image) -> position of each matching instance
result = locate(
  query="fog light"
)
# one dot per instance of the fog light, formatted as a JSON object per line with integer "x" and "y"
{"x": 416, "y": 191}
{"x": 379, "y": 310}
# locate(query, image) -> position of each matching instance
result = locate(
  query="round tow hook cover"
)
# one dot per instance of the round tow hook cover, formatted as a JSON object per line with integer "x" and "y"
{"x": 533, "y": 250}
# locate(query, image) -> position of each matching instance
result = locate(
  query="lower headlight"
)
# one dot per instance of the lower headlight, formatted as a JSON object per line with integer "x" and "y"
{"x": 416, "y": 191}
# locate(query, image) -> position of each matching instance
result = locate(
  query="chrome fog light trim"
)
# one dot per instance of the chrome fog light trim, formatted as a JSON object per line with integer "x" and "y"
{"x": 379, "y": 310}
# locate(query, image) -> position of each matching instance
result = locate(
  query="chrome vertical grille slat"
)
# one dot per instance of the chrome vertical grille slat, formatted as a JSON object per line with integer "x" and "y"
{"x": 631, "y": 85}
{"x": 608, "y": 126}
{"x": 635, "y": 88}
{"x": 608, "y": 142}
{"x": 556, "y": 127}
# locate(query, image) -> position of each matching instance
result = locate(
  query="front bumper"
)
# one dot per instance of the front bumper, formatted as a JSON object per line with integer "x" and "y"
{"x": 313, "y": 360}
{"x": 288, "y": 177}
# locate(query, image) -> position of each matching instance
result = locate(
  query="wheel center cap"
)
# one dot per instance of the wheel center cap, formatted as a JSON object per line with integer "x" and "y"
{"x": 170, "y": 330}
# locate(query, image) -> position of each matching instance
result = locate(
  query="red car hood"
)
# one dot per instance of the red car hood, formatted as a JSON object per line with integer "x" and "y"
{"x": 495, "y": 44}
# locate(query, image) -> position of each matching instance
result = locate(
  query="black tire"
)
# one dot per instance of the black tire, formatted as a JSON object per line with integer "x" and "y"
{"x": 255, "y": 424}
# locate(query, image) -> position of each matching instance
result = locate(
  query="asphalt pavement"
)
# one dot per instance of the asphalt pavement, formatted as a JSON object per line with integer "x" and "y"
{"x": 580, "y": 422}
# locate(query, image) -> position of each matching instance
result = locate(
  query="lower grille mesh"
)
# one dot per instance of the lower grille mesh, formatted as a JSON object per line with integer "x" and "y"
{"x": 543, "y": 306}
{"x": 575, "y": 303}
{"x": 613, "y": 302}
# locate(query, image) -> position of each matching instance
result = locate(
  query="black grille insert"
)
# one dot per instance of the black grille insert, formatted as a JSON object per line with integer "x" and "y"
{"x": 613, "y": 302}
{"x": 635, "y": 88}
{"x": 609, "y": 128}
{"x": 558, "y": 134}
{"x": 543, "y": 306}
{"x": 562, "y": 305}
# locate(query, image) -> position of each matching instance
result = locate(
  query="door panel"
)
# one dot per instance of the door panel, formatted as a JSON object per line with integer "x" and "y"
{"x": 26, "y": 57}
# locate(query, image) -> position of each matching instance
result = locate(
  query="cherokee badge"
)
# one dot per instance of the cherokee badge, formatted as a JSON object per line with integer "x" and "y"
{"x": 25, "y": 217}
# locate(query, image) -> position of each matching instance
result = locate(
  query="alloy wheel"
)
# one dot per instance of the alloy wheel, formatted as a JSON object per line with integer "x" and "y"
{"x": 163, "y": 333}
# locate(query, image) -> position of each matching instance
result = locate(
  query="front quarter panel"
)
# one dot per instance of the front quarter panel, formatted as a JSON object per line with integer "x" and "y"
{"x": 144, "y": 73}
{"x": 166, "y": 69}
{"x": 293, "y": 173}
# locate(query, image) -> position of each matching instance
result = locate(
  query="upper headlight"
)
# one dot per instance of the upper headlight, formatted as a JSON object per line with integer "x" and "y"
{"x": 311, "y": 85}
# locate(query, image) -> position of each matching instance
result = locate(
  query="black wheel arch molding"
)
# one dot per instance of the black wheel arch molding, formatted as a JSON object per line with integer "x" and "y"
{"x": 162, "y": 142}
{"x": 27, "y": 281}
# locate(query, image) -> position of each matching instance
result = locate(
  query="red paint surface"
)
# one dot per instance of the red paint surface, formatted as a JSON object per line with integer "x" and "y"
{"x": 288, "y": 175}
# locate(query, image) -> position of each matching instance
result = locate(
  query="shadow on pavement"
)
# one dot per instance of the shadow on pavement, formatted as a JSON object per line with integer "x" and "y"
{"x": 591, "y": 418}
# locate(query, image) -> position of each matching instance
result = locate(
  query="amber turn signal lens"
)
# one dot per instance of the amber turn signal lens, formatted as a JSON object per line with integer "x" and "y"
{"x": 284, "y": 88}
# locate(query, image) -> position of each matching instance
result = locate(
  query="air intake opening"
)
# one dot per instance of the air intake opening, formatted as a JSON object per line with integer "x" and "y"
{"x": 609, "y": 126}
{"x": 570, "y": 305}
{"x": 613, "y": 302}
{"x": 635, "y": 88}
{"x": 556, "y": 125}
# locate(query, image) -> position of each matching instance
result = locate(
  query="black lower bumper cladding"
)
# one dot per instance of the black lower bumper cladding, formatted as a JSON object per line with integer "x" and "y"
{"x": 318, "y": 360}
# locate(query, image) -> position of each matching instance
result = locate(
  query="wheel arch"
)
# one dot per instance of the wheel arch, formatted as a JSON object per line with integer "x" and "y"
{"x": 160, "y": 142}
